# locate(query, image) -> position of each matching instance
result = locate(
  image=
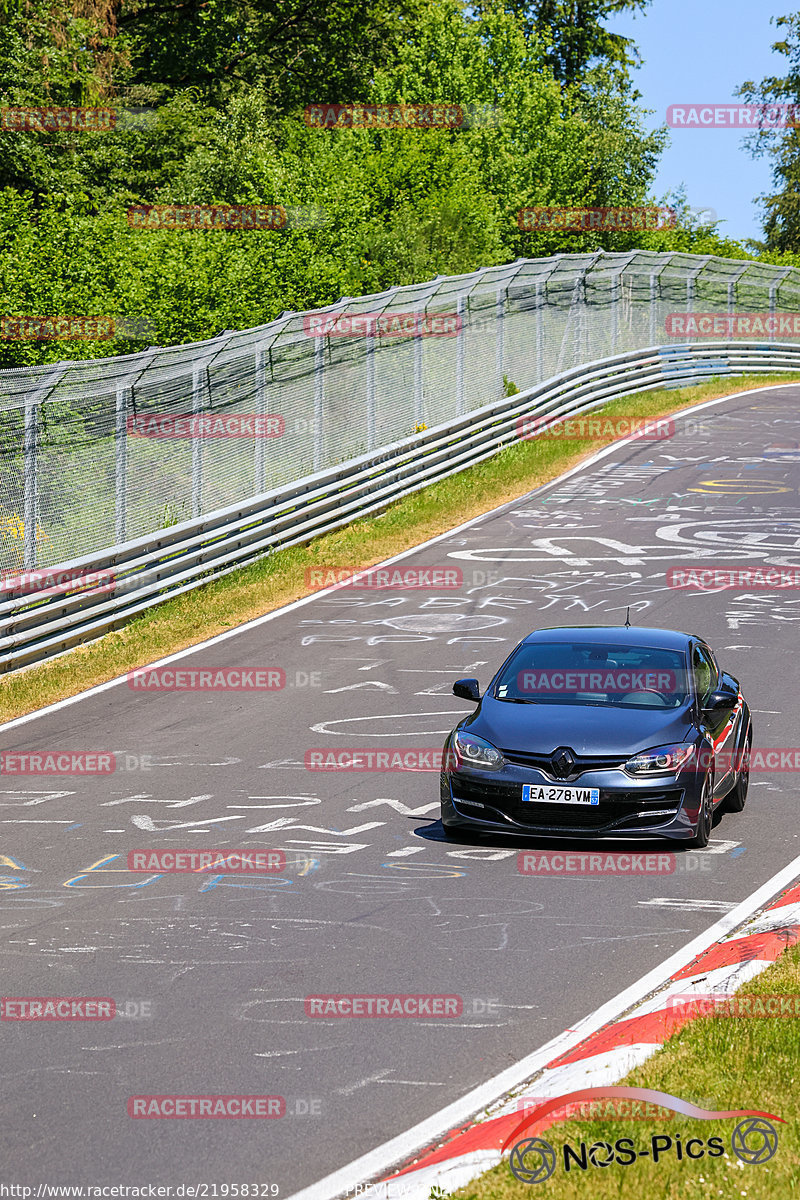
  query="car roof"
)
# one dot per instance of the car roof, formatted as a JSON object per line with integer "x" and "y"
{"x": 605, "y": 635}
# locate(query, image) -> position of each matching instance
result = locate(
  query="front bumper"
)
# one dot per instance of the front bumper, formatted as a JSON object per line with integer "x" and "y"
{"x": 666, "y": 806}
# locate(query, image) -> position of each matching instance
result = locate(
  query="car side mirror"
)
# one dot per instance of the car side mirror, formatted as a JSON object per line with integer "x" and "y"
{"x": 467, "y": 689}
{"x": 718, "y": 701}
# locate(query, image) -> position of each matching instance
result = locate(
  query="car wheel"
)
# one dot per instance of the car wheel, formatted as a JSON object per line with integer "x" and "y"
{"x": 736, "y": 800}
{"x": 705, "y": 818}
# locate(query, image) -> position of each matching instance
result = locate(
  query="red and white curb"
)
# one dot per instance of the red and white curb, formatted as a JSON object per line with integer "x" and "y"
{"x": 601, "y": 1050}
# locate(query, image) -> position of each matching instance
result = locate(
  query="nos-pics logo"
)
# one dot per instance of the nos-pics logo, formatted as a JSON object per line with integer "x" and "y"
{"x": 754, "y": 1139}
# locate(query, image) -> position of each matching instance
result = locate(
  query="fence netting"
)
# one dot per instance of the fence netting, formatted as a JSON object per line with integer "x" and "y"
{"x": 96, "y": 453}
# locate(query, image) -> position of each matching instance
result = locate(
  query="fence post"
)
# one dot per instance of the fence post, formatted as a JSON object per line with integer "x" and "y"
{"x": 773, "y": 287}
{"x": 198, "y": 388}
{"x": 124, "y": 398}
{"x": 615, "y": 288}
{"x": 653, "y": 295}
{"x": 33, "y": 400}
{"x": 773, "y": 296}
{"x": 419, "y": 406}
{"x": 690, "y": 282}
{"x": 577, "y": 300}
{"x": 31, "y": 481}
{"x": 261, "y": 408}
{"x": 500, "y": 312}
{"x": 370, "y": 364}
{"x": 201, "y": 391}
{"x": 124, "y": 403}
{"x": 460, "y": 354}
{"x": 319, "y": 399}
{"x": 539, "y": 330}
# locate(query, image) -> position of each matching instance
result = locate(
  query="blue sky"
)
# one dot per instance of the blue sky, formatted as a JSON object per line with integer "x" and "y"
{"x": 701, "y": 51}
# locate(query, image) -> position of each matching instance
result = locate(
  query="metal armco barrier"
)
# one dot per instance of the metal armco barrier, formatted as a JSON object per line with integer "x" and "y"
{"x": 132, "y": 577}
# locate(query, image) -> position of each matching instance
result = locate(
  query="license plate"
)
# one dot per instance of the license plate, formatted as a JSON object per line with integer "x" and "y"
{"x": 544, "y": 794}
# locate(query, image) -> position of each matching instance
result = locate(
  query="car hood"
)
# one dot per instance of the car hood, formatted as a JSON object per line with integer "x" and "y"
{"x": 585, "y": 728}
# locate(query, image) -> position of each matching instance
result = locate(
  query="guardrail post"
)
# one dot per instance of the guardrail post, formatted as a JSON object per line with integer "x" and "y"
{"x": 500, "y": 312}
{"x": 370, "y": 363}
{"x": 319, "y": 399}
{"x": 261, "y": 408}
{"x": 197, "y": 441}
{"x": 460, "y": 354}
{"x": 31, "y": 501}
{"x": 124, "y": 399}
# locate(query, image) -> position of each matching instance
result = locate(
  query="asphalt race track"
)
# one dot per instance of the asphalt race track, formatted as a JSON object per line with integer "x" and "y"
{"x": 213, "y": 969}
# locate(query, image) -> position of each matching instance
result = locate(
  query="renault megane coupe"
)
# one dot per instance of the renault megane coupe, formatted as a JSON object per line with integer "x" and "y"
{"x": 591, "y": 731}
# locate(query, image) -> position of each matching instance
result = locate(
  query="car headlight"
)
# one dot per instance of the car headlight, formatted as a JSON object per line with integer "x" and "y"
{"x": 661, "y": 760}
{"x": 472, "y": 751}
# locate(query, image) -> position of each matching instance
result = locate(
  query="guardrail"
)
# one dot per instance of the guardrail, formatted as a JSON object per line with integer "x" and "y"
{"x": 39, "y": 620}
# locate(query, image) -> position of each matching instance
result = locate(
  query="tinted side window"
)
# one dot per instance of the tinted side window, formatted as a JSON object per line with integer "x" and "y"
{"x": 705, "y": 675}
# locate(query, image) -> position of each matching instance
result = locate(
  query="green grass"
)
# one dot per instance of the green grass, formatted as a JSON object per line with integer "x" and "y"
{"x": 716, "y": 1062}
{"x": 279, "y": 578}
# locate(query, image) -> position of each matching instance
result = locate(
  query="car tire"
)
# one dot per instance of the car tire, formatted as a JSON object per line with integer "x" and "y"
{"x": 735, "y": 801}
{"x": 705, "y": 818}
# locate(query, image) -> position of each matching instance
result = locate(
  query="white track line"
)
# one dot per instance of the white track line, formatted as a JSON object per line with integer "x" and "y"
{"x": 379, "y": 1161}
{"x": 279, "y": 612}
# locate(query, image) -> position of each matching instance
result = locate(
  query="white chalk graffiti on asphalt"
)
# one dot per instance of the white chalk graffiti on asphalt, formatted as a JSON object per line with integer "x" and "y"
{"x": 759, "y": 533}
{"x": 393, "y": 720}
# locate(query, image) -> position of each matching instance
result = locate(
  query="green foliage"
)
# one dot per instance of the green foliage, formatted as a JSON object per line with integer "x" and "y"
{"x": 575, "y": 38}
{"x": 297, "y": 51}
{"x": 782, "y": 208}
{"x": 209, "y": 99}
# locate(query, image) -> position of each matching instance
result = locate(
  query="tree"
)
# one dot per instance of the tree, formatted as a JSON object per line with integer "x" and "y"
{"x": 575, "y": 38}
{"x": 782, "y": 219}
{"x": 297, "y": 51}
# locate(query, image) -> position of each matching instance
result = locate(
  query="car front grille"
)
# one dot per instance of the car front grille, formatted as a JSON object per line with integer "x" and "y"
{"x": 622, "y": 809}
{"x": 583, "y": 763}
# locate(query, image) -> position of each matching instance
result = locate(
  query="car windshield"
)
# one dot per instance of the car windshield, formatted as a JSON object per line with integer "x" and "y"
{"x": 602, "y": 674}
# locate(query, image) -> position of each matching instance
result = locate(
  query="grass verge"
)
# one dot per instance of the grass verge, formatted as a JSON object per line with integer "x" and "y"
{"x": 280, "y": 578}
{"x": 716, "y": 1062}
